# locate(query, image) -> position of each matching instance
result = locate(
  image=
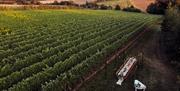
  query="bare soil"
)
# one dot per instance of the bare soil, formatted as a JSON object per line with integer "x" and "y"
{"x": 154, "y": 71}
{"x": 157, "y": 73}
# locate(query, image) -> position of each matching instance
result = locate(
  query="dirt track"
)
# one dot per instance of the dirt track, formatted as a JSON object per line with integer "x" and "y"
{"x": 161, "y": 76}
{"x": 155, "y": 72}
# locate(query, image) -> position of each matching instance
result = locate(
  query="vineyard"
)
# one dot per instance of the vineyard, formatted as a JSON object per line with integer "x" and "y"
{"x": 53, "y": 50}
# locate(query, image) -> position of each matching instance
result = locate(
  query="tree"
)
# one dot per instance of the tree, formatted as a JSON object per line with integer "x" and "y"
{"x": 154, "y": 8}
{"x": 103, "y": 7}
{"x": 117, "y": 7}
{"x": 131, "y": 9}
{"x": 160, "y": 6}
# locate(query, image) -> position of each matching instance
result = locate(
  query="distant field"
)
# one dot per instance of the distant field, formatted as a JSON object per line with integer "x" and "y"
{"x": 52, "y": 50}
{"x": 140, "y": 4}
{"x": 30, "y": 7}
{"x": 113, "y": 3}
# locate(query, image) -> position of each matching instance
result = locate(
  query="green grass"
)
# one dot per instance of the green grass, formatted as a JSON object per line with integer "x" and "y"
{"x": 50, "y": 50}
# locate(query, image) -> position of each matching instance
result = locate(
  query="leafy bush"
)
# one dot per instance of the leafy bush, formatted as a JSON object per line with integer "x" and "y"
{"x": 63, "y": 3}
{"x": 103, "y": 7}
{"x": 91, "y": 5}
{"x": 131, "y": 9}
{"x": 117, "y": 7}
